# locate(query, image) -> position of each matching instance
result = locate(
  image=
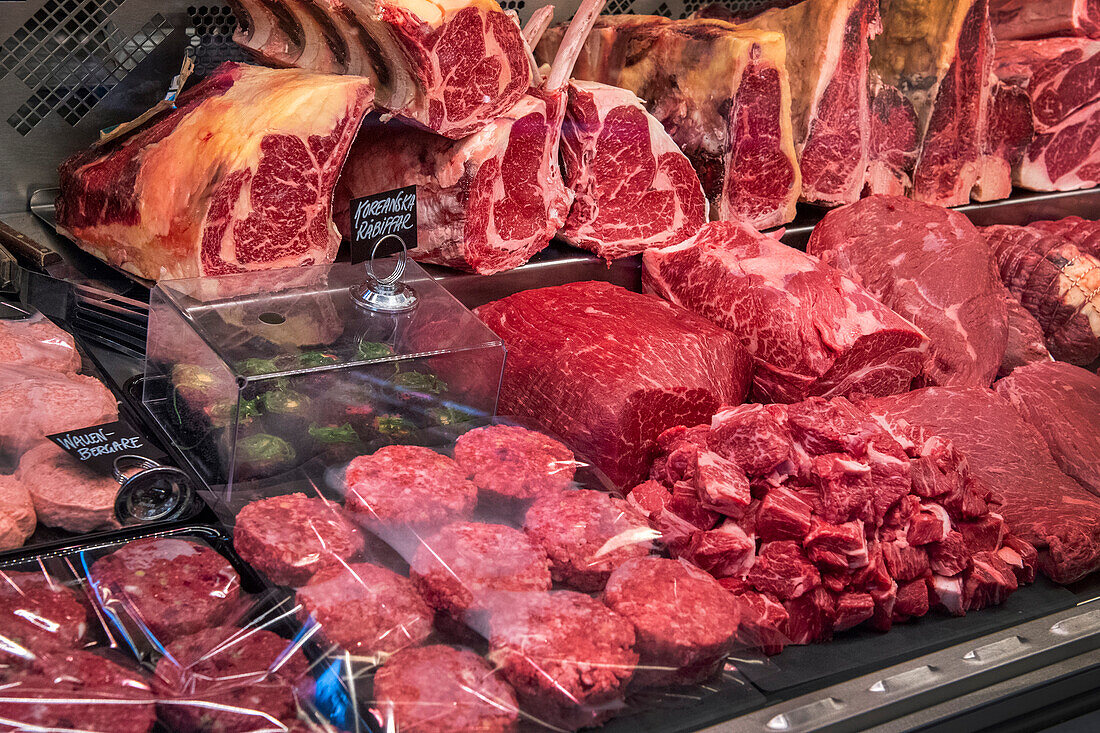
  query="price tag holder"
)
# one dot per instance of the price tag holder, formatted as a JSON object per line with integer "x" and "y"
{"x": 382, "y": 223}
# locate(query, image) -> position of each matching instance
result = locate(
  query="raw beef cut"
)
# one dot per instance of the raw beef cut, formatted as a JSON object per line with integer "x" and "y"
{"x": 721, "y": 93}
{"x": 1061, "y": 76}
{"x": 607, "y": 370}
{"x": 1056, "y": 283}
{"x": 490, "y": 201}
{"x": 1062, "y": 402}
{"x": 1040, "y": 503}
{"x": 810, "y": 329}
{"x": 450, "y": 67}
{"x": 854, "y": 525}
{"x": 1025, "y": 338}
{"x": 1082, "y": 232}
{"x": 1009, "y": 131}
{"x": 828, "y": 57}
{"x": 1031, "y": 19}
{"x": 931, "y": 267}
{"x": 633, "y": 189}
{"x": 939, "y": 53}
{"x": 894, "y": 144}
{"x": 239, "y": 177}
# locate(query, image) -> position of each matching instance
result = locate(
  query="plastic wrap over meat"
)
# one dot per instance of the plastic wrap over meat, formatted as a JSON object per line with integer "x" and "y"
{"x": 492, "y": 581}
{"x": 36, "y": 341}
{"x": 161, "y": 632}
{"x": 818, "y": 518}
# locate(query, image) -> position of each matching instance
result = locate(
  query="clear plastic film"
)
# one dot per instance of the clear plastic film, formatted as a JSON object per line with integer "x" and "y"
{"x": 167, "y": 632}
{"x": 492, "y": 581}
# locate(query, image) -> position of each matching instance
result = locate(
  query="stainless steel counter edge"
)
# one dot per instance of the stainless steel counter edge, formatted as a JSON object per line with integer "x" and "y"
{"x": 896, "y": 691}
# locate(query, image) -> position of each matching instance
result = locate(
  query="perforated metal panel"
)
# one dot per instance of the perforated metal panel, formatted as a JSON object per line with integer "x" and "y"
{"x": 69, "y": 68}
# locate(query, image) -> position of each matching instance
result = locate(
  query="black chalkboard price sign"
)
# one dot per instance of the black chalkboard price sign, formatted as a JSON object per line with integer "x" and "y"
{"x": 97, "y": 446}
{"x": 389, "y": 216}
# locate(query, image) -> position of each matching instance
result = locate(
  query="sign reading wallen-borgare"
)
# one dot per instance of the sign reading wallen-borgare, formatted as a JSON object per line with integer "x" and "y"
{"x": 386, "y": 219}
{"x": 97, "y": 446}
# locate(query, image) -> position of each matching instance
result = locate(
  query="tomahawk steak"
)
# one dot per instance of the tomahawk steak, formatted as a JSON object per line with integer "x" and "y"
{"x": 932, "y": 267}
{"x": 1061, "y": 76}
{"x": 633, "y": 189}
{"x": 1032, "y": 19}
{"x": 607, "y": 370}
{"x": 450, "y": 67}
{"x": 721, "y": 93}
{"x": 239, "y": 177}
{"x": 1056, "y": 283}
{"x": 828, "y": 58}
{"x": 485, "y": 203}
{"x": 810, "y": 329}
{"x": 939, "y": 53}
{"x": 1040, "y": 503}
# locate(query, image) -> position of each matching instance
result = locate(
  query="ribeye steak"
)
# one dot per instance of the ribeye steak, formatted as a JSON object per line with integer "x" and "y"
{"x": 239, "y": 177}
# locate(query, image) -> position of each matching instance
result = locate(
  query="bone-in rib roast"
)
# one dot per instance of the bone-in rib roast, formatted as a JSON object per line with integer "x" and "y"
{"x": 721, "y": 93}
{"x": 449, "y": 67}
{"x": 239, "y": 177}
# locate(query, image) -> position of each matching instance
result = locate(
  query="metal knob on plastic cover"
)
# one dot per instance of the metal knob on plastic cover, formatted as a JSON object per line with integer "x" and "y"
{"x": 387, "y": 294}
{"x": 154, "y": 493}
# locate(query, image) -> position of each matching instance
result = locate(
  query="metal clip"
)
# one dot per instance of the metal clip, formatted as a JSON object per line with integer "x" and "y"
{"x": 387, "y": 294}
{"x": 154, "y": 493}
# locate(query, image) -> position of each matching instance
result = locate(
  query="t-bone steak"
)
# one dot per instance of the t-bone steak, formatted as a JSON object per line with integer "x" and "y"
{"x": 490, "y": 201}
{"x": 1061, "y": 76}
{"x": 828, "y": 58}
{"x": 1062, "y": 402}
{"x": 939, "y": 53}
{"x": 607, "y": 370}
{"x": 1040, "y": 503}
{"x": 633, "y": 189}
{"x": 239, "y": 177}
{"x": 1031, "y": 19}
{"x": 930, "y": 266}
{"x": 810, "y": 329}
{"x": 721, "y": 93}
{"x": 1056, "y": 282}
{"x": 450, "y": 67}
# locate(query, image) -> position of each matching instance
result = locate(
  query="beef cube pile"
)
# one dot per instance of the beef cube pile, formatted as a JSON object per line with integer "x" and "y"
{"x": 818, "y": 518}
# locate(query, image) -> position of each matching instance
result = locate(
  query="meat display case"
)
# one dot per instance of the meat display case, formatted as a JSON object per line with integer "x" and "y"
{"x": 69, "y": 68}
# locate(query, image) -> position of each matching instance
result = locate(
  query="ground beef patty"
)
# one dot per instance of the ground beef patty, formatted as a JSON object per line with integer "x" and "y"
{"x": 514, "y": 462}
{"x": 35, "y": 402}
{"x": 460, "y": 567}
{"x": 76, "y": 690}
{"x": 290, "y": 538}
{"x": 17, "y": 517}
{"x": 567, "y": 655}
{"x": 65, "y": 493}
{"x": 40, "y": 615}
{"x": 440, "y": 689}
{"x": 36, "y": 341}
{"x": 203, "y": 674}
{"x": 685, "y": 621}
{"x": 173, "y": 586}
{"x": 365, "y": 609}
{"x": 408, "y": 484}
{"x": 587, "y": 534}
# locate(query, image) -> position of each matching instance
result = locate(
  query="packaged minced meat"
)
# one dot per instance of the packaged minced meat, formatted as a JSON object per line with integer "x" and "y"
{"x": 225, "y": 678}
{"x": 845, "y": 521}
{"x": 40, "y": 614}
{"x": 512, "y": 462}
{"x": 67, "y": 494}
{"x": 442, "y": 689}
{"x": 568, "y": 656}
{"x": 587, "y": 534}
{"x": 408, "y": 486}
{"x": 36, "y": 402}
{"x": 466, "y": 565}
{"x": 365, "y": 609}
{"x": 289, "y": 538}
{"x": 685, "y": 622}
{"x": 168, "y": 586}
{"x": 37, "y": 342}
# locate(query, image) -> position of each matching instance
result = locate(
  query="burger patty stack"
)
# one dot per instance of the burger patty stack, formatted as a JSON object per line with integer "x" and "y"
{"x": 818, "y": 519}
